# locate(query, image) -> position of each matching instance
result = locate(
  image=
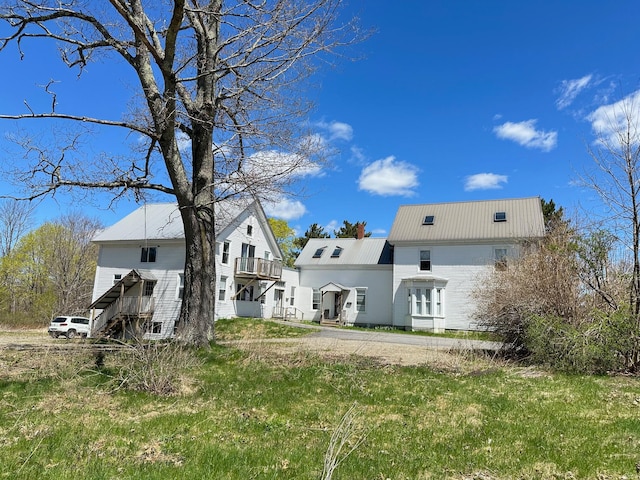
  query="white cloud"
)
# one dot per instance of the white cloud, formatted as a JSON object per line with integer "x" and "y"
{"x": 331, "y": 226}
{"x": 525, "y": 134}
{"x": 484, "y": 181}
{"x": 337, "y": 130}
{"x": 570, "y": 89}
{"x": 281, "y": 165}
{"x": 341, "y": 131}
{"x": 608, "y": 121}
{"x": 285, "y": 209}
{"x": 389, "y": 177}
{"x": 357, "y": 155}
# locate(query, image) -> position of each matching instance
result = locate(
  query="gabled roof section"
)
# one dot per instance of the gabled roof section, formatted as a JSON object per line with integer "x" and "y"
{"x": 162, "y": 221}
{"x": 366, "y": 251}
{"x": 469, "y": 221}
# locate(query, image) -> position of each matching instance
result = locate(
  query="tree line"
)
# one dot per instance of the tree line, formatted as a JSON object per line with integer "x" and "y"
{"x": 44, "y": 271}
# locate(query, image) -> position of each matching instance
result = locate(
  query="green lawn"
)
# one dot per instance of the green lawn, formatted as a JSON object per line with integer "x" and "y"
{"x": 268, "y": 416}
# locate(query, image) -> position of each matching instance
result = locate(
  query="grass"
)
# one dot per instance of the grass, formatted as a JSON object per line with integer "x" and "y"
{"x": 274, "y": 416}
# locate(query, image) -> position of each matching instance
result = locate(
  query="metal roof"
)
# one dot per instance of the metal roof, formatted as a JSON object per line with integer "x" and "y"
{"x": 366, "y": 251}
{"x": 129, "y": 280}
{"x": 469, "y": 221}
{"x": 162, "y": 221}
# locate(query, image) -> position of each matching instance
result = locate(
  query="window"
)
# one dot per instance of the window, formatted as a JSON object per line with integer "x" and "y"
{"x": 361, "y": 299}
{"x": 153, "y": 327}
{"x": 317, "y": 297}
{"x": 246, "y": 293}
{"x": 292, "y": 297}
{"x": 500, "y": 217}
{"x": 267, "y": 255}
{"x": 425, "y": 260}
{"x": 225, "y": 253}
{"x": 318, "y": 252}
{"x": 222, "y": 289}
{"x": 428, "y": 220}
{"x": 148, "y": 288}
{"x": 117, "y": 277}
{"x": 500, "y": 258}
{"x": 148, "y": 254}
{"x": 427, "y": 301}
{"x": 249, "y": 230}
{"x": 336, "y": 252}
{"x": 180, "y": 286}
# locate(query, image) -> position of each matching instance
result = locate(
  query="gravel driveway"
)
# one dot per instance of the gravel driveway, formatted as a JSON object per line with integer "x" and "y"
{"x": 392, "y": 348}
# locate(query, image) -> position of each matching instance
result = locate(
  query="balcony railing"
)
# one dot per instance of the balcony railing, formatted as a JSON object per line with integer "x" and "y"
{"x": 258, "y": 267}
{"x": 127, "y": 305}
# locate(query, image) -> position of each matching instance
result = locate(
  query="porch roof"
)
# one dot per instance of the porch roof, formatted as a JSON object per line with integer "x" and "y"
{"x": 129, "y": 280}
{"x": 334, "y": 287}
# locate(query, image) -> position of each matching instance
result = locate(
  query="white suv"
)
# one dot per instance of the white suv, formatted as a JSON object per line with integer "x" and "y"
{"x": 69, "y": 327}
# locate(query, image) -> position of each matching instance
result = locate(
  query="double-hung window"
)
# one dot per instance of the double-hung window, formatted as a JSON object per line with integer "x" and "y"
{"x": 225, "y": 253}
{"x": 315, "y": 302}
{"x": 425, "y": 260}
{"x": 361, "y": 299}
{"x": 222, "y": 289}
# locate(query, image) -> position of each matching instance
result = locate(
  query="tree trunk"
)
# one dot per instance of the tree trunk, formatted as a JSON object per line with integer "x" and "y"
{"x": 196, "y": 322}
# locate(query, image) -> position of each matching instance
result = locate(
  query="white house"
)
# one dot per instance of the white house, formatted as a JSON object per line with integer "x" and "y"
{"x": 420, "y": 278}
{"x": 140, "y": 273}
{"x": 346, "y": 280}
{"x": 442, "y": 250}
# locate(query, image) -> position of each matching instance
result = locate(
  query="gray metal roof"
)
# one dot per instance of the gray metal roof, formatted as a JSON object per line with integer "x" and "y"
{"x": 162, "y": 221}
{"x": 366, "y": 251}
{"x": 469, "y": 221}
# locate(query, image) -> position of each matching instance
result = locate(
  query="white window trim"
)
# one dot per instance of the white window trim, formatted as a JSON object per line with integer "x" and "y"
{"x": 365, "y": 291}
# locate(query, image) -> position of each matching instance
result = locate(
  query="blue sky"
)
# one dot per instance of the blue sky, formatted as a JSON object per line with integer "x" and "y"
{"x": 450, "y": 101}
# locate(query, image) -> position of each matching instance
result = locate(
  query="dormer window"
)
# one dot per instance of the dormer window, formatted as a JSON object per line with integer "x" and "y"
{"x": 428, "y": 220}
{"x": 336, "y": 252}
{"x": 500, "y": 217}
{"x": 318, "y": 253}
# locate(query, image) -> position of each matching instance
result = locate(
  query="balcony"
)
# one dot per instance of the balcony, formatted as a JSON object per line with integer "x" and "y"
{"x": 251, "y": 267}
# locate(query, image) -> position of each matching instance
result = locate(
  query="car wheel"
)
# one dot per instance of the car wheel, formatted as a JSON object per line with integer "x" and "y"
{"x": 71, "y": 334}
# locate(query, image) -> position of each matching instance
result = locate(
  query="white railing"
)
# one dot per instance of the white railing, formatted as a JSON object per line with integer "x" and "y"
{"x": 287, "y": 313}
{"x": 258, "y": 266}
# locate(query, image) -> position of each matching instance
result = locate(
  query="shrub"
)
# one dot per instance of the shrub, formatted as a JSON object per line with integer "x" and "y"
{"x": 156, "y": 367}
{"x": 605, "y": 343}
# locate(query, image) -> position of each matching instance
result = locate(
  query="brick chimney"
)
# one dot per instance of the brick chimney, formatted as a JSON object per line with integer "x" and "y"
{"x": 360, "y": 229}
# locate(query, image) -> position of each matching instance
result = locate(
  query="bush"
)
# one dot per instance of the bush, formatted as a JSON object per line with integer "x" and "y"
{"x": 606, "y": 343}
{"x": 156, "y": 367}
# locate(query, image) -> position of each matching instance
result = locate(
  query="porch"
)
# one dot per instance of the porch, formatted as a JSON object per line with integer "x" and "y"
{"x": 124, "y": 315}
{"x": 258, "y": 268}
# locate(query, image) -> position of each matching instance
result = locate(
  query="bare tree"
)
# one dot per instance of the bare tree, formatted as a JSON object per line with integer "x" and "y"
{"x": 215, "y": 76}
{"x": 616, "y": 179}
{"x": 72, "y": 264}
{"x": 15, "y": 221}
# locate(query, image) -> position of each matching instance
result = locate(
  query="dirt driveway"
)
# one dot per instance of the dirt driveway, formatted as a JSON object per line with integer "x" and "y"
{"x": 388, "y": 348}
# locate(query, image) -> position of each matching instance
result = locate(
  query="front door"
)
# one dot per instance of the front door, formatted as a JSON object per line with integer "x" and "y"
{"x": 248, "y": 254}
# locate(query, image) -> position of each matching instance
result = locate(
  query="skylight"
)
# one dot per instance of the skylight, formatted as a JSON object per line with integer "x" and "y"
{"x": 318, "y": 253}
{"x": 428, "y": 220}
{"x": 500, "y": 217}
{"x": 336, "y": 252}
